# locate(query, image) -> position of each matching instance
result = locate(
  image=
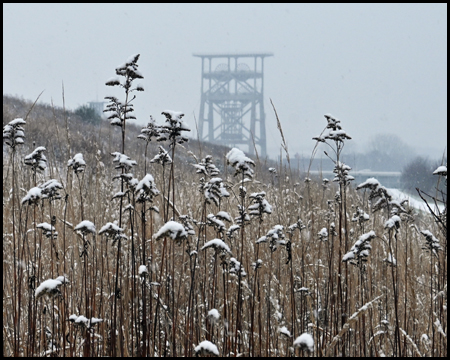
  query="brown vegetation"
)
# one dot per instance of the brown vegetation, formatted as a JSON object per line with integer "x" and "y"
{"x": 292, "y": 283}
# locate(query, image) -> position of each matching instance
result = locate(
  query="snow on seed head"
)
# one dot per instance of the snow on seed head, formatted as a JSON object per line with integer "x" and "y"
{"x": 123, "y": 161}
{"x": 305, "y": 341}
{"x": 213, "y": 315}
{"x": 206, "y": 348}
{"x": 33, "y": 196}
{"x": 77, "y": 163}
{"x": 13, "y": 132}
{"x": 172, "y": 229}
{"x": 217, "y": 244}
{"x": 240, "y": 162}
{"x": 48, "y": 287}
{"x": 36, "y": 159}
{"x": 85, "y": 227}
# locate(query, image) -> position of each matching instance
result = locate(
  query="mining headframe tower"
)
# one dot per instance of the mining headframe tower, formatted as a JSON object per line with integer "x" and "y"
{"x": 232, "y": 100}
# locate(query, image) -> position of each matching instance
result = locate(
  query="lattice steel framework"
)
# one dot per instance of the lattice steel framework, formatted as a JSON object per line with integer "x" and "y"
{"x": 232, "y": 100}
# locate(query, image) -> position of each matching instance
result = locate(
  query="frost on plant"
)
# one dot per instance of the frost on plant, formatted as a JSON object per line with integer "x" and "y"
{"x": 174, "y": 230}
{"x": 323, "y": 234}
{"x": 83, "y": 322}
{"x": 143, "y": 270}
{"x": 150, "y": 131}
{"x": 77, "y": 163}
{"x": 206, "y": 348}
{"x": 129, "y": 181}
{"x": 223, "y": 215}
{"x": 63, "y": 279}
{"x": 217, "y": 244}
{"x": 13, "y": 133}
{"x": 342, "y": 173}
{"x": 360, "y": 250}
{"x": 240, "y": 162}
{"x": 123, "y": 161}
{"x": 187, "y": 224}
{"x": 214, "y": 190}
{"x": 213, "y": 315}
{"x": 297, "y": 225}
{"x": 275, "y": 236}
{"x": 284, "y": 331}
{"x": 393, "y": 222}
{"x": 235, "y": 268}
{"x": 33, "y": 196}
{"x": 49, "y": 287}
{"x": 381, "y": 197}
{"x": 441, "y": 170}
{"x": 50, "y": 190}
{"x": 36, "y": 159}
{"x": 49, "y": 230}
{"x": 126, "y": 74}
{"x": 305, "y": 342}
{"x": 370, "y": 183}
{"x": 85, "y": 227}
{"x": 173, "y": 129}
{"x": 431, "y": 243}
{"x": 259, "y": 205}
{"x": 243, "y": 217}
{"x": 231, "y": 230}
{"x": 162, "y": 158}
{"x": 257, "y": 264}
{"x": 334, "y": 132}
{"x": 207, "y": 167}
{"x": 113, "y": 232}
{"x": 117, "y": 109}
{"x": 218, "y": 225}
{"x": 129, "y": 70}
{"x": 360, "y": 216}
{"x": 146, "y": 189}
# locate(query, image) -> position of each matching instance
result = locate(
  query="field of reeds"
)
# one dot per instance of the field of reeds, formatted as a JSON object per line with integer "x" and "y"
{"x": 127, "y": 241}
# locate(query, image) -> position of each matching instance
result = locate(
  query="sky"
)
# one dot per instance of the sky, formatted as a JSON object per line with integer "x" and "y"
{"x": 379, "y": 68}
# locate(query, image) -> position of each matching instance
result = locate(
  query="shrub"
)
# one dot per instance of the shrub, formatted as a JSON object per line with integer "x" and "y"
{"x": 418, "y": 173}
{"x": 88, "y": 115}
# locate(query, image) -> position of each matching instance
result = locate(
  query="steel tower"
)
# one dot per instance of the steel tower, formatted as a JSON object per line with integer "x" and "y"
{"x": 232, "y": 100}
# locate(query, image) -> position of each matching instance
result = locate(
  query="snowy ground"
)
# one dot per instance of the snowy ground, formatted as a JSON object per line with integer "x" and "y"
{"x": 414, "y": 201}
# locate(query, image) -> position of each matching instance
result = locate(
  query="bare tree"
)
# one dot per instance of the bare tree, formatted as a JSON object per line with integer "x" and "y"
{"x": 418, "y": 173}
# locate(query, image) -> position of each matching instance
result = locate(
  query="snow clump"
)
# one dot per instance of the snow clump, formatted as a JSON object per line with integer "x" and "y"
{"x": 305, "y": 342}
{"x": 206, "y": 348}
{"x": 77, "y": 163}
{"x": 432, "y": 244}
{"x": 143, "y": 270}
{"x": 217, "y": 244}
{"x": 123, "y": 161}
{"x": 50, "y": 287}
{"x": 361, "y": 249}
{"x": 85, "y": 227}
{"x": 36, "y": 159}
{"x": 240, "y": 162}
{"x": 283, "y": 330}
{"x": 213, "y": 315}
{"x": 13, "y": 132}
{"x": 441, "y": 170}
{"x": 172, "y": 229}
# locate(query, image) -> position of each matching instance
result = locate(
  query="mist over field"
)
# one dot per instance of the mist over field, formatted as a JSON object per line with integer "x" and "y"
{"x": 382, "y": 68}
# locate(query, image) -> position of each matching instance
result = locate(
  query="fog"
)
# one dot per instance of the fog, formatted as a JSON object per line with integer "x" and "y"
{"x": 379, "y": 68}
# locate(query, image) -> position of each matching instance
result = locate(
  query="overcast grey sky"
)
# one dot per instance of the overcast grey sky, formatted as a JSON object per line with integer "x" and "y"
{"x": 378, "y": 68}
